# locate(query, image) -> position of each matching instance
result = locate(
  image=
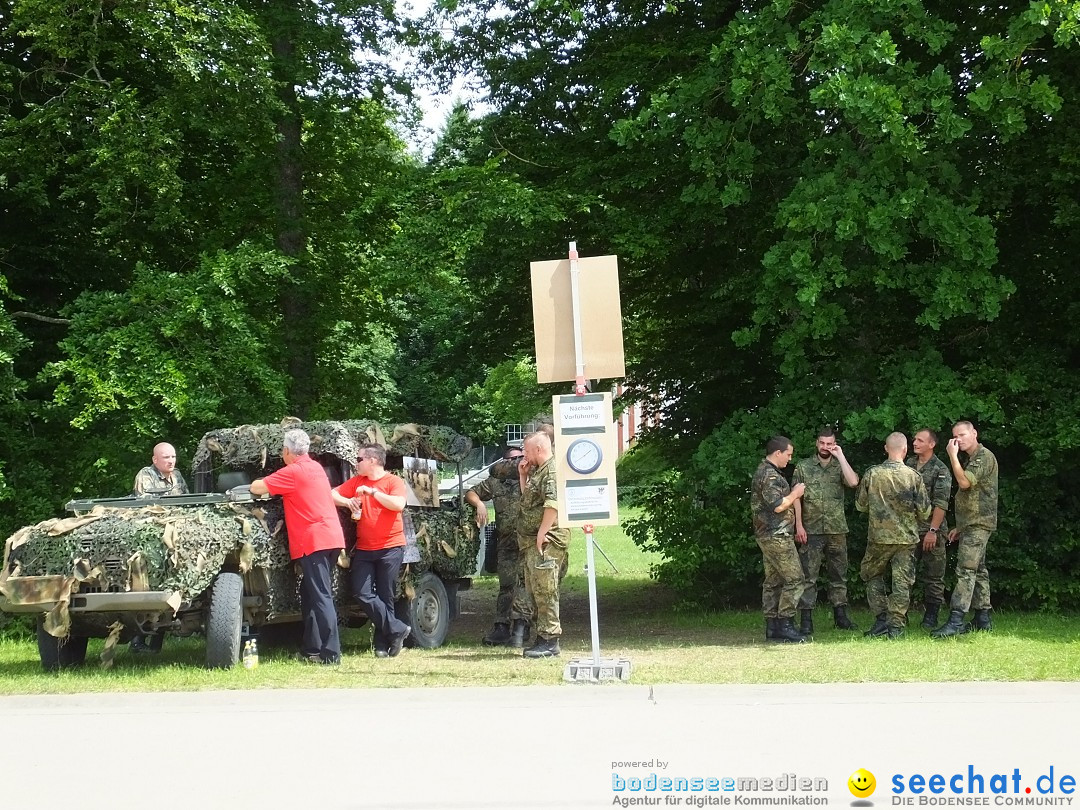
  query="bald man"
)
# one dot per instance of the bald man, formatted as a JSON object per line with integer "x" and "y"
{"x": 544, "y": 543}
{"x": 894, "y": 497}
{"x": 161, "y": 477}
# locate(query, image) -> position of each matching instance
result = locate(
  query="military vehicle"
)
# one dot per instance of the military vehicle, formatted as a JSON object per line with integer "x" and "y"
{"x": 216, "y": 562}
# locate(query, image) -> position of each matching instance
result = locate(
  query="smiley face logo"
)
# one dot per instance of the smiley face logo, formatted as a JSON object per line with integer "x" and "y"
{"x": 861, "y": 783}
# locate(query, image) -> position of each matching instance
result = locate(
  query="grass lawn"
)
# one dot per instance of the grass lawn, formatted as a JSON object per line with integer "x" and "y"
{"x": 637, "y": 621}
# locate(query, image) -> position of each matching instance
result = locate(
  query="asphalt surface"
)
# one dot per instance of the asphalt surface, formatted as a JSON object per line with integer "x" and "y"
{"x": 564, "y": 746}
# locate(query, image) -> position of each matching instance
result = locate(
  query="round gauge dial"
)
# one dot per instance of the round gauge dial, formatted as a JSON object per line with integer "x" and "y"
{"x": 584, "y": 456}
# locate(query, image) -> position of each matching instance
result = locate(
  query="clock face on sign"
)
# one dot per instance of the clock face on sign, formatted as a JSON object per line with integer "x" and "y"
{"x": 584, "y": 456}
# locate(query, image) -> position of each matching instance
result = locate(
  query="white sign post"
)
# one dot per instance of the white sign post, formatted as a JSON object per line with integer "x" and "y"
{"x": 585, "y": 431}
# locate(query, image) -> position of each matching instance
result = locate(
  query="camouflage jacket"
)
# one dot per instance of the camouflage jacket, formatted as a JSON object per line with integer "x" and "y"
{"x": 768, "y": 489}
{"x": 150, "y": 481}
{"x": 505, "y": 495}
{"x": 976, "y": 508}
{"x": 823, "y": 501}
{"x": 937, "y": 479}
{"x": 894, "y": 497}
{"x": 540, "y": 493}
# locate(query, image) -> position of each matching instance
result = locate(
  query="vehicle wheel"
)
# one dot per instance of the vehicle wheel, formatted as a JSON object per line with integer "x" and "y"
{"x": 224, "y": 620}
{"x": 428, "y": 613}
{"x": 57, "y": 653}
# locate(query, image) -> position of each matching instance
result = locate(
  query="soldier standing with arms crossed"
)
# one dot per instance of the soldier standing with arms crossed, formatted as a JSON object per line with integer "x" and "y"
{"x": 895, "y": 499}
{"x": 502, "y": 487}
{"x": 545, "y": 544}
{"x": 976, "y": 518}
{"x": 772, "y": 504}
{"x": 930, "y": 552}
{"x": 821, "y": 528}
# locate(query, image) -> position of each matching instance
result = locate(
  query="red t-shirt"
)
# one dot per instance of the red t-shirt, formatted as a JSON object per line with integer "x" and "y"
{"x": 311, "y": 515}
{"x": 378, "y": 527}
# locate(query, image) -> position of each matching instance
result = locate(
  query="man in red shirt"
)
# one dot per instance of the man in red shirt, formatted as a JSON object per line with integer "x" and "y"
{"x": 315, "y": 540}
{"x": 379, "y": 496}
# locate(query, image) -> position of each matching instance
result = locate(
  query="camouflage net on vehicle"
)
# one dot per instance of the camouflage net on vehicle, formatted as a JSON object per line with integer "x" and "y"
{"x": 154, "y": 548}
{"x": 182, "y": 549}
{"x": 254, "y": 444}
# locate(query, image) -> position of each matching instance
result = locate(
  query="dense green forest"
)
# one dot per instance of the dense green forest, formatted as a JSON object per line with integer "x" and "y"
{"x": 857, "y": 212}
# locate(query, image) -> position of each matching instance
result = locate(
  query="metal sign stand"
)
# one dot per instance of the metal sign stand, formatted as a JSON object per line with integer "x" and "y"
{"x": 594, "y": 669}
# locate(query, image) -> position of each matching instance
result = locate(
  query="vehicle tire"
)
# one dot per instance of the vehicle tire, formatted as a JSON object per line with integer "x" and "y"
{"x": 428, "y": 613}
{"x": 224, "y": 620}
{"x": 57, "y": 653}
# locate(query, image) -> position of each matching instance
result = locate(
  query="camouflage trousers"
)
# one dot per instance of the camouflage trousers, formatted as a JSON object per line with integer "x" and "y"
{"x": 832, "y": 549}
{"x": 511, "y": 576}
{"x": 542, "y": 585}
{"x": 930, "y": 572}
{"x": 523, "y": 605}
{"x": 972, "y": 591}
{"x": 783, "y": 577}
{"x": 878, "y": 558}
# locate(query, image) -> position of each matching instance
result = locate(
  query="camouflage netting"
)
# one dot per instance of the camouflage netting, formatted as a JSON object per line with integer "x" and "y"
{"x": 182, "y": 548}
{"x": 155, "y": 548}
{"x": 254, "y": 444}
{"x": 448, "y": 544}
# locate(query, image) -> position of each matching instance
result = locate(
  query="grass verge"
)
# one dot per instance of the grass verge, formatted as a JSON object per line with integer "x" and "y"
{"x": 638, "y": 620}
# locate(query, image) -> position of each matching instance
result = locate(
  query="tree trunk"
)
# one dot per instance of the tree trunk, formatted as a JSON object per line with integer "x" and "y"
{"x": 291, "y": 237}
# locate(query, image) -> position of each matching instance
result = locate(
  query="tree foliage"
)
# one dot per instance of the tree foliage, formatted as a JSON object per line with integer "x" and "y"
{"x": 843, "y": 212}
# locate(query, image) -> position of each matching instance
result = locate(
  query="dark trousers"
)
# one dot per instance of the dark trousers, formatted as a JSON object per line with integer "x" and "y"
{"x": 374, "y": 585}
{"x": 317, "y": 605}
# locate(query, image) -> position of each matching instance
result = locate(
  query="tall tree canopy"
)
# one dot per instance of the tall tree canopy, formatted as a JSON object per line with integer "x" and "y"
{"x": 849, "y": 212}
{"x": 192, "y": 193}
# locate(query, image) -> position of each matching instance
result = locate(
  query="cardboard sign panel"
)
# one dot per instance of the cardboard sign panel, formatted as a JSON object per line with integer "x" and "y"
{"x": 585, "y": 454}
{"x": 601, "y": 319}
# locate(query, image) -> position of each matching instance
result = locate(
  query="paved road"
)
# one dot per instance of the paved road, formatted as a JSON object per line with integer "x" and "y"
{"x": 527, "y": 747}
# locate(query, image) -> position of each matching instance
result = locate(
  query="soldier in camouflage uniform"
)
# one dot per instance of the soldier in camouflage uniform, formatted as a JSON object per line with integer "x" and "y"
{"x": 503, "y": 489}
{"x": 895, "y": 499}
{"x": 772, "y": 506}
{"x": 821, "y": 528}
{"x": 976, "y": 518}
{"x": 545, "y": 544}
{"x": 162, "y": 477}
{"x": 930, "y": 552}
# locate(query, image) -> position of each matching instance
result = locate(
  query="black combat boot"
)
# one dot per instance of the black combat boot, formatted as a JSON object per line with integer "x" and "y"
{"x": 770, "y": 629}
{"x": 543, "y": 648}
{"x": 930, "y": 617}
{"x": 955, "y": 626}
{"x": 894, "y": 633}
{"x": 880, "y": 627}
{"x": 982, "y": 621}
{"x": 806, "y": 624}
{"x": 499, "y": 635}
{"x": 518, "y": 634}
{"x": 841, "y": 621}
{"x": 785, "y": 631}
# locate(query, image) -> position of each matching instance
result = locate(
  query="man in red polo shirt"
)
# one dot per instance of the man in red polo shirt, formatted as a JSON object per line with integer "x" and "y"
{"x": 315, "y": 539}
{"x": 379, "y": 496}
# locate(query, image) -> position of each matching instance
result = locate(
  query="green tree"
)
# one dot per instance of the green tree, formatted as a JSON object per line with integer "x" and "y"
{"x": 834, "y": 212}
